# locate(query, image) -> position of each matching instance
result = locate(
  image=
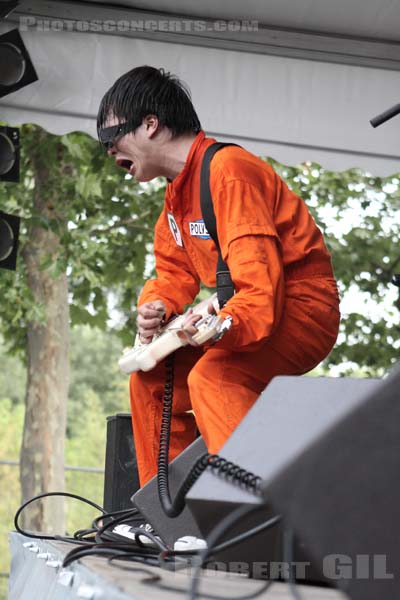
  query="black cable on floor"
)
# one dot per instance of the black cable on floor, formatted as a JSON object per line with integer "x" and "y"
{"x": 46, "y": 495}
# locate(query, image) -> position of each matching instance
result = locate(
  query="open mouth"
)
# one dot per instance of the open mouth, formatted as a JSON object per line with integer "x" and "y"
{"x": 124, "y": 163}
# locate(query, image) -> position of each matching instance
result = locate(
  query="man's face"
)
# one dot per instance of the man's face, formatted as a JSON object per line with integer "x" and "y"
{"x": 136, "y": 151}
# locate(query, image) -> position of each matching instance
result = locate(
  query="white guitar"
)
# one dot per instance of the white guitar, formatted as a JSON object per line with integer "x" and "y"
{"x": 144, "y": 357}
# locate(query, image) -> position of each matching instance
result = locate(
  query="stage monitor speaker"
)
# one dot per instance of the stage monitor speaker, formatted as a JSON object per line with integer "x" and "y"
{"x": 341, "y": 495}
{"x": 289, "y": 416}
{"x": 170, "y": 529}
{"x": 147, "y": 500}
{"x": 121, "y": 478}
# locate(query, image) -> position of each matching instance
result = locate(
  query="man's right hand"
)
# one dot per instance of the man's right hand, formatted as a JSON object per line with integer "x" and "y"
{"x": 149, "y": 319}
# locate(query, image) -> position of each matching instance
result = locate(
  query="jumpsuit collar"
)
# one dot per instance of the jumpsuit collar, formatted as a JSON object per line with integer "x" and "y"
{"x": 175, "y": 186}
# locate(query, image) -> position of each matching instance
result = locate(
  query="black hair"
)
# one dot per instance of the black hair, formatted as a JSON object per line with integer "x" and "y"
{"x": 149, "y": 91}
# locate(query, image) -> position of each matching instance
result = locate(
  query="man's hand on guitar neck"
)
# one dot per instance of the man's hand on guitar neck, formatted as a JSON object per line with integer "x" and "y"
{"x": 149, "y": 320}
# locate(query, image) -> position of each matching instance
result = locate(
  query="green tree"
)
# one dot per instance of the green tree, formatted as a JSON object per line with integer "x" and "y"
{"x": 85, "y": 230}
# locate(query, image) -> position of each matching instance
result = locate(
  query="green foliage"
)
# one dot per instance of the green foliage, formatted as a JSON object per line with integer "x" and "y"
{"x": 95, "y": 378}
{"x": 104, "y": 221}
{"x": 12, "y": 377}
{"x": 11, "y": 421}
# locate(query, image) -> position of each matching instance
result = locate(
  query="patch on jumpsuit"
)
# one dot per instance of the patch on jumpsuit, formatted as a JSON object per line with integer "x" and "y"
{"x": 176, "y": 234}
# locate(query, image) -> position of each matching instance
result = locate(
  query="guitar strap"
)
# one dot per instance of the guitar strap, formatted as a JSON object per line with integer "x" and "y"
{"x": 225, "y": 287}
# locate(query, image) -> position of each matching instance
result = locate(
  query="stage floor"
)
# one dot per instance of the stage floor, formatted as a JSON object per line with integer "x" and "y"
{"x": 36, "y": 572}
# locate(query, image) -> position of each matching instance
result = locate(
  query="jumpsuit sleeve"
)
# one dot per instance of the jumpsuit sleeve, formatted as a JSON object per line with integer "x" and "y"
{"x": 176, "y": 283}
{"x": 250, "y": 246}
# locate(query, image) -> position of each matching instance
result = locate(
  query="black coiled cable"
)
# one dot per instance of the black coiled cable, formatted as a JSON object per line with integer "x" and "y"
{"x": 172, "y": 510}
{"x": 234, "y": 473}
{"x": 220, "y": 465}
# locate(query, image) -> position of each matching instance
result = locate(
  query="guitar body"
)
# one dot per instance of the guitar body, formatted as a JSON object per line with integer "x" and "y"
{"x": 144, "y": 357}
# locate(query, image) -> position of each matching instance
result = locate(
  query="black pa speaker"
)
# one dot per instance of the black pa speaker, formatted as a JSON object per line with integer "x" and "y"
{"x": 287, "y": 418}
{"x": 341, "y": 495}
{"x": 9, "y": 154}
{"x": 17, "y": 69}
{"x": 121, "y": 478}
{"x": 9, "y": 236}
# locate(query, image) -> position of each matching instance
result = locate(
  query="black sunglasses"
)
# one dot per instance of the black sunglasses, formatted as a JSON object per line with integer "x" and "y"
{"x": 109, "y": 135}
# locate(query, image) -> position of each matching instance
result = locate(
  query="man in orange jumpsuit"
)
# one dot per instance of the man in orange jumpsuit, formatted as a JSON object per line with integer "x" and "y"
{"x": 284, "y": 315}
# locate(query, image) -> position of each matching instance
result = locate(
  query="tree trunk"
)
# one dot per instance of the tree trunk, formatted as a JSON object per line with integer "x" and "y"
{"x": 42, "y": 452}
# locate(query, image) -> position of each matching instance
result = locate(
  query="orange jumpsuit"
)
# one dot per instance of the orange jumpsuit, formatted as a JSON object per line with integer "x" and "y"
{"x": 285, "y": 310}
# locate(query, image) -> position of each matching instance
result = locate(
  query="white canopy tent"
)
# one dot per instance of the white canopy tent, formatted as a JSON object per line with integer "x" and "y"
{"x": 295, "y": 80}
